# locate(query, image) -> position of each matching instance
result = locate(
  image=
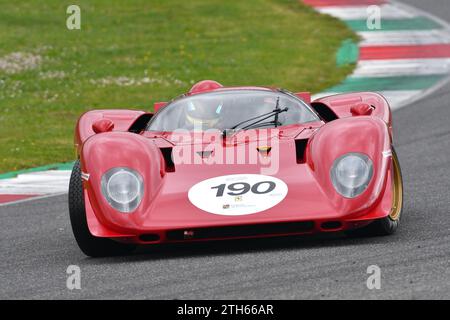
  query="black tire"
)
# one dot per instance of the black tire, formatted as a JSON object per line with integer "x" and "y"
{"x": 90, "y": 245}
{"x": 387, "y": 225}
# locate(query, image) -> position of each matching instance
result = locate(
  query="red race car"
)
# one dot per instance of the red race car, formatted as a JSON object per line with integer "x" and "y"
{"x": 234, "y": 162}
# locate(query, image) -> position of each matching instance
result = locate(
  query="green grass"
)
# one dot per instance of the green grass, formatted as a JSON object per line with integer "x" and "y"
{"x": 172, "y": 43}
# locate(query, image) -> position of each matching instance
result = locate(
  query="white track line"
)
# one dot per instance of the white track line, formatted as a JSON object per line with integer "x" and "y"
{"x": 32, "y": 199}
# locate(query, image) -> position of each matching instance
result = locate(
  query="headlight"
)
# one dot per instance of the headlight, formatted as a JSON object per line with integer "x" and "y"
{"x": 351, "y": 174}
{"x": 123, "y": 188}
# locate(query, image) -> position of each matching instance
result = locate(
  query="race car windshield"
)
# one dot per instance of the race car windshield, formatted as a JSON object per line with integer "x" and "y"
{"x": 223, "y": 110}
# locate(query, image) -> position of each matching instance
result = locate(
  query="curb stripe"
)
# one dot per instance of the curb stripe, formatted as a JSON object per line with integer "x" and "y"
{"x": 4, "y": 198}
{"x": 36, "y": 183}
{"x": 405, "y": 52}
{"x": 415, "y": 37}
{"x": 330, "y": 3}
{"x": 348, "y": 53}
{"x": 387, "y": 83}
{"x": 417, "y": 23}
{"x": 380, "y": 68}
{"x": 388, "y": 11}
{"x": 54, "y": 166}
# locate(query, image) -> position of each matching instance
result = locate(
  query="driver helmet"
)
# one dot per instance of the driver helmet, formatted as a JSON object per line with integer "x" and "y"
{"x": 203, "y": 113}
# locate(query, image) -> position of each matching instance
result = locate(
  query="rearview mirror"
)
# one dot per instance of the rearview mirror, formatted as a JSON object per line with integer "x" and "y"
{"x": 103, "y": 125}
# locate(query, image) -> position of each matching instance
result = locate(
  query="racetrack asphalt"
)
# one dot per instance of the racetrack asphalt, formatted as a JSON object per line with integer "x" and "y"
{"x": 37, "y": 244}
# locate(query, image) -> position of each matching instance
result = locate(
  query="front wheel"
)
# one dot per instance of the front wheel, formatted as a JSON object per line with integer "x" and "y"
{"x": 90, "y": 245}
{"x": 387, "y": 225}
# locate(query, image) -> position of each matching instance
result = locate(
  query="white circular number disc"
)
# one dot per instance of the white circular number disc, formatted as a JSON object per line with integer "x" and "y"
{"x": 238, "y": 194}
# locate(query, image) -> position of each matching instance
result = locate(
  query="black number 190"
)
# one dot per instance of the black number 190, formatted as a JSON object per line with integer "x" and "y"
{"x": 240, "y": 188}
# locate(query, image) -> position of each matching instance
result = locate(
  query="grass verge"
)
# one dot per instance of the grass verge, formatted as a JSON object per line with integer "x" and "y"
{"x": 132, "y": 53}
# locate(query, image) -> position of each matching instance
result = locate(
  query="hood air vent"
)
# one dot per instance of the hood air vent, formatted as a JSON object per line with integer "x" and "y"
{"x": 205, "y": 153}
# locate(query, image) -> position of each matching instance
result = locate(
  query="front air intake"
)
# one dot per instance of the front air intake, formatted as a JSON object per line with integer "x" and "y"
{"x": 149, "y": 237}
{"x": 272, "y": 229}
{"x": 167, "y": 155}
{"x": 331, "y": 225}
{"x": 300, "y": 147}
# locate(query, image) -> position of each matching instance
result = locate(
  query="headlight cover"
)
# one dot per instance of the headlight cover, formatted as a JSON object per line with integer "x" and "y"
{"x": 351, "y": 174}
{"x": 123, "y": 188}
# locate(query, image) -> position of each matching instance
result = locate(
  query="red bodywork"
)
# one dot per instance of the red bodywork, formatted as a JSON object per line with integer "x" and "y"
{"x": 311, "y": 205}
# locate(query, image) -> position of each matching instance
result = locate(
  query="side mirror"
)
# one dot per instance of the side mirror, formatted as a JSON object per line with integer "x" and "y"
{"x": 103, "y": 125}
{"x": 361, "y": 109}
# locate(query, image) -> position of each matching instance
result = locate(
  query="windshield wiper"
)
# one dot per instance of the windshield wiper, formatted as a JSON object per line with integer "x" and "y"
{"x": 262, "y": 124}
{"x": 259, "y": 119}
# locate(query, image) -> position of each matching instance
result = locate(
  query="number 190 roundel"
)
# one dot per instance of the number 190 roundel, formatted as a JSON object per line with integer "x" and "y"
{"x": 222, "y": 163}
{"x": 239, "y": 194}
